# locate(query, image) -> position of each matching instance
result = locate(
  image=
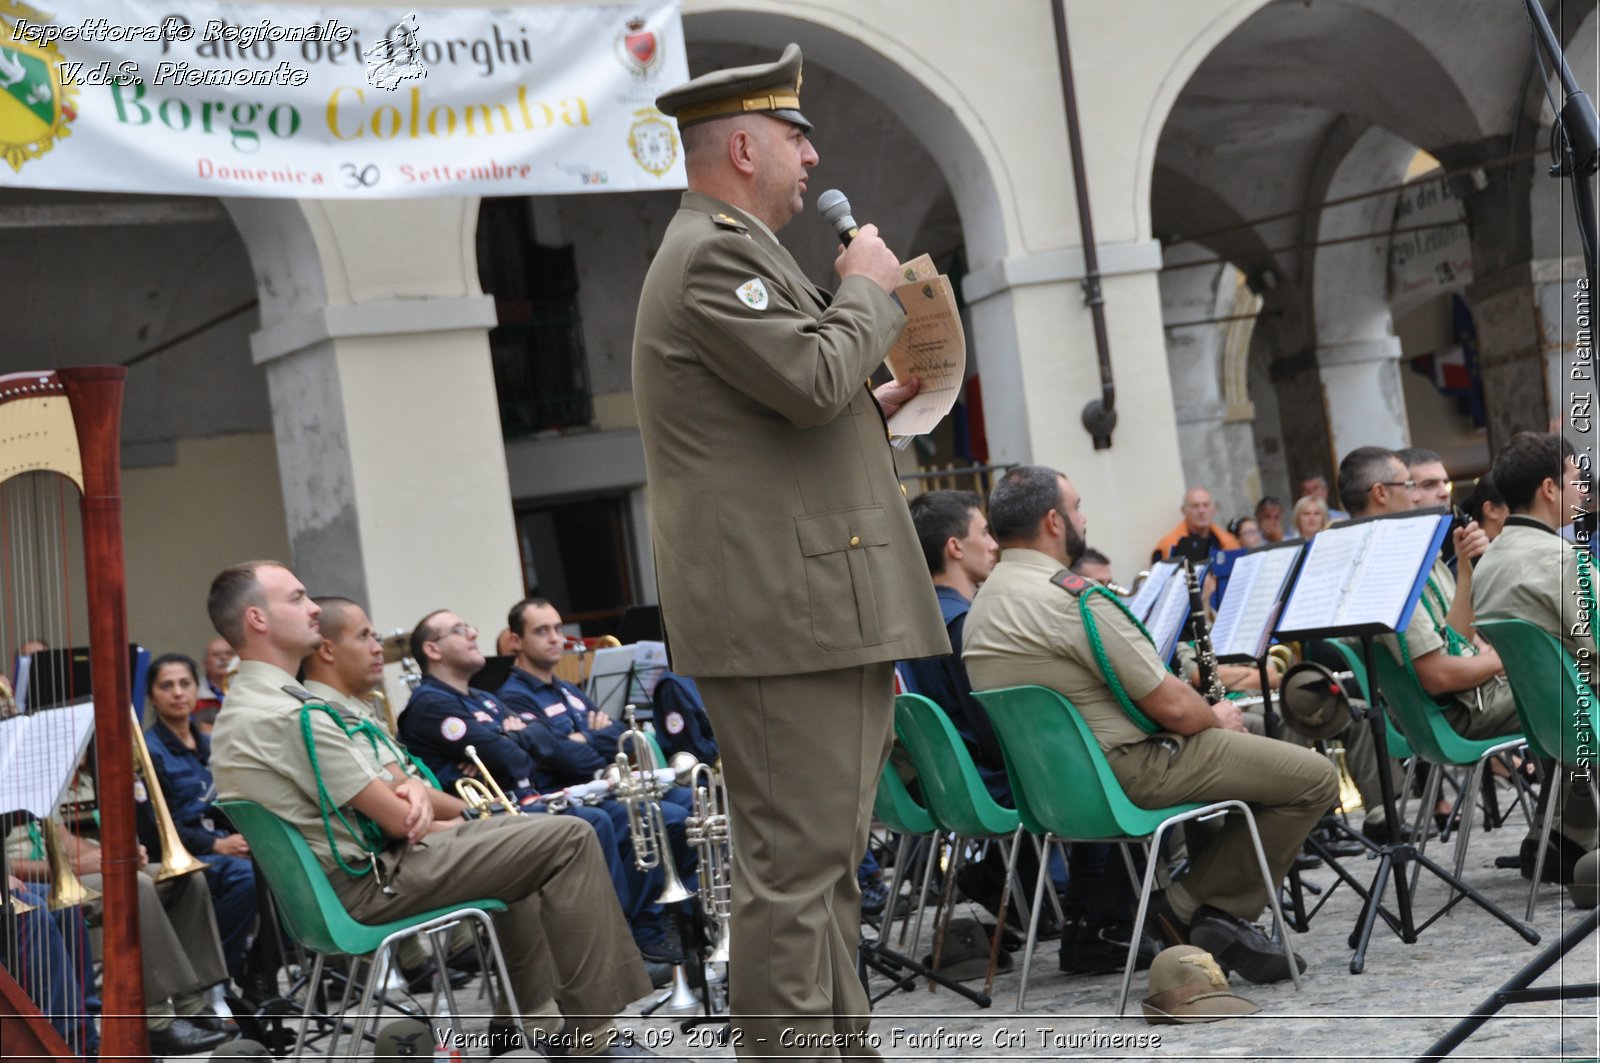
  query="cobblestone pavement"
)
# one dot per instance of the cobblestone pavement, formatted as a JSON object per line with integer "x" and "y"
{"x": 1408, "y": 996}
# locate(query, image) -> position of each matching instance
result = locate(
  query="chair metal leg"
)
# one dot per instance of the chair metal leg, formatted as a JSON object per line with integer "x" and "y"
{"x": 311, "y": 1000}
{"x": 1033, "y": 922}
{"x": 1404, "y": 794}
{"x": 1272, "y": 893}
{"x": 920, "y": 901}
{"x": 947, "y": 903}
{"x": 1545, "y": 831}
{"x": 1000, "y": 914}
{"x": 896, "y": 879}
{"x": 441, "y": 960}
{"x": 1468, "y": 805}
{"x": 1043, "y": 853}
{"x": 1430, "y": 798}
{"x": 1139, "y": 915}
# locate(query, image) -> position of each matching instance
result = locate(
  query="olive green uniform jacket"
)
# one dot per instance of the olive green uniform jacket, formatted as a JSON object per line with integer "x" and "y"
{"x": 782, "y": 540}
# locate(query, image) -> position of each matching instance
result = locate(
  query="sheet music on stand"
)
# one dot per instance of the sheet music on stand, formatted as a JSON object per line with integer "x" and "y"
{"x": 1144, "y": 599}
{"x": 1364, "y": 576}
{"x": 1243, "y": 627}
{"x": 648, "y": 667}
{"x": 611, "y": 677}
{"x": 39, "y": 754}
{"x": 1171, "y": 610}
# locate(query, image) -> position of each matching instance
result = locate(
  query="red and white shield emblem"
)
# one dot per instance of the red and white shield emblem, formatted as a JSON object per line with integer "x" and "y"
{"x": 642, "y": 46}
{"x": 639, "y": 48}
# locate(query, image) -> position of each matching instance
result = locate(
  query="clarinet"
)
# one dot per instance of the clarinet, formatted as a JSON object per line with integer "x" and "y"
{"x": 1205, "y": 657}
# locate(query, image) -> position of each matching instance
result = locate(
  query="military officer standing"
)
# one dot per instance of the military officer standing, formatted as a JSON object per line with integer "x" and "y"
{"x": 788, "y": 569}
{"x": 1028, "y": 626}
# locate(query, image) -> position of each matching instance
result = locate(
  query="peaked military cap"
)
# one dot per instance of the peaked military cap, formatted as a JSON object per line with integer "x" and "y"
{"x": 766, "y": 88}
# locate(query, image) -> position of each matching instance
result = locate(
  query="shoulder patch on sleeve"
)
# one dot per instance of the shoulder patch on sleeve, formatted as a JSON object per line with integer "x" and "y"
{"x": 728, "y": 221}
{"x": 1070, "y": 582}
{"x": 453, "y": 728}
{"x": 752, "y": 293}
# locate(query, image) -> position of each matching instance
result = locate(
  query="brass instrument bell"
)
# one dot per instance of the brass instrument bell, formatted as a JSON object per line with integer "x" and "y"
{"x": 175, "y": 859}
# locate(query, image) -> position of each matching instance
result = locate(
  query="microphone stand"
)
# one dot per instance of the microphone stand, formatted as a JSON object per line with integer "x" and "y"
{"x": 1576, "y": 133}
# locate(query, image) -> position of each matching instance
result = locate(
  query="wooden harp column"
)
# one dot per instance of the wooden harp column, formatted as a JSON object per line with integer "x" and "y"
{"x": 69, "y": 422}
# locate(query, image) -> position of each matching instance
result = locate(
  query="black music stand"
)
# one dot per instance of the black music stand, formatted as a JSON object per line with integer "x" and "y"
{"x": 1333, "y": 577}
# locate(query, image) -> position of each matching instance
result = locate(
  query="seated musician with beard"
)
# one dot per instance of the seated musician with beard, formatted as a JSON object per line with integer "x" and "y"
{"x": 1027, "y": 626}
{"x": 446, "y": 715}
{"x": 392, "y": 845}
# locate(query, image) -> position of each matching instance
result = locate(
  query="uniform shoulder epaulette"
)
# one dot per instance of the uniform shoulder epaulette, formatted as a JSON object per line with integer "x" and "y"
{"x": 728, "y": 221}
{"x": 1070, "y": 582}
{"x": 303, "y": 696}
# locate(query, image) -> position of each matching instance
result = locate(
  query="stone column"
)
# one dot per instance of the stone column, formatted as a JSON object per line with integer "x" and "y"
{"x": 374, "y": 341}
{"x": 1035, "y": 344}
{"x": 1362, "y": 394}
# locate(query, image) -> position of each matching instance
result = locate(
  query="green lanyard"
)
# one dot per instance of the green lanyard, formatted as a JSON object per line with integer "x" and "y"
{"x": 367, "y": 833}
{"x": 1147, "y": 725}
{"x": 1437, "y": 609}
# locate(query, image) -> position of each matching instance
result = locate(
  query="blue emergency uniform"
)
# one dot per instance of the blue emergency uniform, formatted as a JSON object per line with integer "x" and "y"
{"x": 187, "y": 786}
{"x": 562, "y": 710}
{"x": 440, "y": 722}
{"x": 682, "y": 724}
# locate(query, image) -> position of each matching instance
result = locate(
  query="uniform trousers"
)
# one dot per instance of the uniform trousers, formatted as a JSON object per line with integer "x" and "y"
{"x": 177, "y": 935}
{"x": 563, "y": 934}
{"x": 801, "y": 758}
{"x": 1288, "y": 789}
{"x": 233, "y": 894}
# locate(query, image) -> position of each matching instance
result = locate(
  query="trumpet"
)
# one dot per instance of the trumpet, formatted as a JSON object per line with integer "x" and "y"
{"x": 707, "y": 829}
{"x": 485, "y": 791}
{"x": 640, "y": 793}
{"x": 175, "y": 859}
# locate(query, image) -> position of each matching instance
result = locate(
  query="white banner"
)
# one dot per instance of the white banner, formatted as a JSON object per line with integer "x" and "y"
{"x": 338, "y": 102}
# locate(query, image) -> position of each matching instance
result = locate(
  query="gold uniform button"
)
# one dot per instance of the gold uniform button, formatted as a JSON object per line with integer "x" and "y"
{"x": 855, "y": 540}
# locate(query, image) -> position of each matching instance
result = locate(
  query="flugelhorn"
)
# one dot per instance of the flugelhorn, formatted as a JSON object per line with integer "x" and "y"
{"x": 175, "y": 859}
{"x": 640, "y": 793}
{"x": 66, "y": 889}
{"x": 707, "y": 829}
{"x": 488, "y": 784}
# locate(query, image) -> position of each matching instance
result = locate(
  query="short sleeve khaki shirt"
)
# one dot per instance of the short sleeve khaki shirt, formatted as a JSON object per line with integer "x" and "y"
{"x": 258, "y": 753}
{"x": 1024, "y": 630}
{"x": 1425, "y": 631}
{"x": 1531, "y": 573}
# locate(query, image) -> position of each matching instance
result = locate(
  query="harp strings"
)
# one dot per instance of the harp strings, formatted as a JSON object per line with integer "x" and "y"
{"x": 55, "y": 961}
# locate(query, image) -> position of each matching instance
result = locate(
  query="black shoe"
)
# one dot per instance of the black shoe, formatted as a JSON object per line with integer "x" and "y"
{"x": 1338, "y": 844}
{"x": 660, "y": 950}
{"x": 1240, "y": 946}
{"x": 1102, "y": 948}
{"x": 1307, "y": 862}
{"x": 420, "y": 979}
{"x": 1163, "y": 922}
{"x": 208, "y": 1020}
{"x": 1561, "y": 857}
{"x": 465, "y": 959}
{"x": 184, "y": 1038}
{"x": 256, "y": 988}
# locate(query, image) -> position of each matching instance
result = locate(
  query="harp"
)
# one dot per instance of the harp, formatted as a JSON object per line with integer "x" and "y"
{"x": 59, "y": 437}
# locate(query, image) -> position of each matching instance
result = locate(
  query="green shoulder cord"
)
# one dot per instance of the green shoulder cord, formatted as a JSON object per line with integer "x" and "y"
{"x": 1455, "y": 644}
{"x": 1145, "y": 724}
{"x": 364, "y": 830}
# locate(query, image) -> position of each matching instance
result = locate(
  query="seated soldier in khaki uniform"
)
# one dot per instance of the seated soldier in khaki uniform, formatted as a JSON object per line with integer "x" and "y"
{"x": 1530, "y": 572}
{"x": 1026, "y": 628}
{"x": 563, "y": 935}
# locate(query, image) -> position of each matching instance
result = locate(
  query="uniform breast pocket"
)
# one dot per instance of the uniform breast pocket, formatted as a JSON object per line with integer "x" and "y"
{"x": 850, "y": 579}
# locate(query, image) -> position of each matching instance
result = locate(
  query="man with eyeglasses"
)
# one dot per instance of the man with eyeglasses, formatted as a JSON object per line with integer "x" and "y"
{"x": 446, "y": 715}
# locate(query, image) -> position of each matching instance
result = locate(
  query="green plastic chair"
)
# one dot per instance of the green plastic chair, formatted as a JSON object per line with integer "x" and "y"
{"x": 896, "y": 809}
{"x": 1420, "y": 716}
{"x": 1399, "y": 748}
{"x": 957, "y": 799}
{"x": 318, "y": 920}
{"x": 1549, "y": 692}
{"x": 1066, "y": 792}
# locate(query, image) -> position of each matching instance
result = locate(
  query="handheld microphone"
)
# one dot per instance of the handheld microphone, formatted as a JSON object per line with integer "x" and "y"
{"x": 836, "y": 209}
